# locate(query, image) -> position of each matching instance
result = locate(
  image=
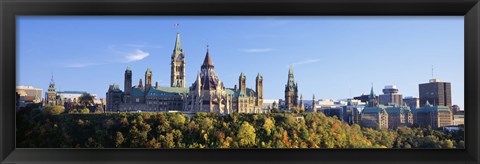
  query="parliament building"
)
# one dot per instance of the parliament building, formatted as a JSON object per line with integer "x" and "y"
{"x": 207, "y": 94}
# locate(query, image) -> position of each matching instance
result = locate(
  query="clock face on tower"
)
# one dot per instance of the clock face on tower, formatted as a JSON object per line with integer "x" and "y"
{"x": 179, "y": 57}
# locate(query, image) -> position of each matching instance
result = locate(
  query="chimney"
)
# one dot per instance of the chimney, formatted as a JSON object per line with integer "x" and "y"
{"x": 235, "y": 88}
{"x": 156, "y": 84}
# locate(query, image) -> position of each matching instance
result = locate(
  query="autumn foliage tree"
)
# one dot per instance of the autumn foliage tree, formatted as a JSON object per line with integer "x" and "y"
{"x": 51, "y": 127}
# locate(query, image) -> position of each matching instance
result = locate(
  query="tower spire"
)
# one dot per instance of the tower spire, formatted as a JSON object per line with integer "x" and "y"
{"x": 291, "y": 79}
{"x": 207, "y": 60}
{"x": 371, "y": 92}
{"x": 51, "y": 80}
{"x": 177, "y": 75}
{"x": 290, "y": 70}
{"x": 372, "y": 100}
{"x": 178, "y": 44}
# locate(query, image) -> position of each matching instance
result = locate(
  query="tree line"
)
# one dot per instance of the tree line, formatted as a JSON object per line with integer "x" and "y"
{"x": 54, "y": 128}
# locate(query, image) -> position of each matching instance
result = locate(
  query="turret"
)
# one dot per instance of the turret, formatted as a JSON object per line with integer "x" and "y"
{"x": 242, "y": 82}
{"x": 128, "y": 81}
{"x": 140, "y": 84}
{"x": 372, "y": 102}
{"x": 148, "y": 79}
{"x": 199, "y": 84}
{"x": 302, "y": 106}
{"x": 259, "y": 89}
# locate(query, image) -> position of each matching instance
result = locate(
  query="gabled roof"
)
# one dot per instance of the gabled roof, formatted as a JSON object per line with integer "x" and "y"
{"x": 397, "y": 109}
{"x": 373, "y": 109}
{"x": 431, "y": 108}
{"x": 238, "y": 94}
{"x": 137, "y": 92}
{"x": 160, "y": 91}
{"x": 167, "y": 91}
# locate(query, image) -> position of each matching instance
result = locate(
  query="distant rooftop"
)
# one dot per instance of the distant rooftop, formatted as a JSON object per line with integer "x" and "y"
{"x": 72, "y": 92}
{"x": 27, "y": 87}
{"x": 390, "y": 87}
{"x": 434, "y": 80}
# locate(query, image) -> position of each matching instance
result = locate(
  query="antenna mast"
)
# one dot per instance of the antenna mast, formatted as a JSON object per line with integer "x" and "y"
{"x": 432, "y": 71}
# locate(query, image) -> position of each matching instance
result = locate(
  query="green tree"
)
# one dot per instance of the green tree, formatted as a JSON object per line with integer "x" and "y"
{"x": 119, "y": 139}
{"x": 447, "y": 144}
{"x": 246, "y": 135}
{"x": 268, "y": 125}
{"x": 178, "y": 120}
{"x": 85, "y": 111}
{"x": 99, "y": 109}
{"x": 54, "y": 110}
{"x": 86, "y": 99}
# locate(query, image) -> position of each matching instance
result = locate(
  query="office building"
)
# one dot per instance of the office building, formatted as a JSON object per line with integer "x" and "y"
{"x": 412, "y": 102}
{"x": 436, "y": 92}
{"x": 390, "y": 96}
{"x": 433, "y": 116}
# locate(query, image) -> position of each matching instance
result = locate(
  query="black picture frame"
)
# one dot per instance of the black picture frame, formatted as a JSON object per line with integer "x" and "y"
{"x": 9, "y": 9}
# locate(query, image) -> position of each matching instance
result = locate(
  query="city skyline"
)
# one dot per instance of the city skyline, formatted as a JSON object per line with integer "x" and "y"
{"x": 312, "y": 68}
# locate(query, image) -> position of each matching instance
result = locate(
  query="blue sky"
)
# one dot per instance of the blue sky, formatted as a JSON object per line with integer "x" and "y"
{"x": 333, "y": 57}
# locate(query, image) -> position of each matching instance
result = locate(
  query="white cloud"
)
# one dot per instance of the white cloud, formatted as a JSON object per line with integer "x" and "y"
{"x": 257, "y": 50}
{"x": 143, "y": 46}
{"x": 309, "y": 61}
{"x": 136, "y": 56}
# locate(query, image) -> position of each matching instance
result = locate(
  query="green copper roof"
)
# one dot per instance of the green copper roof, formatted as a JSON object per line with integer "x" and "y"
{"x": 160, "y": 91}
{"x": 259, "y": 76}
{"x": 396, "y": 109}
{"x": 372, "y": 95}
{"x": 290, "y": 70}
{"x": 291, "y": 78}
{"x": 178, "y": 45}
{"x": 373, "y": 109}
{"x": 458, "y": 116}
{"x": 242, "y": 75}
{"x": 431, "y": 108}
{"x": 167, "y": 91}
{"x": 238, "y": 94}
{"x": 116, "y": 86}
{"x": 149, "y": 70}
{"x": 137, "y": 92}
{"x": 128, "y": 69}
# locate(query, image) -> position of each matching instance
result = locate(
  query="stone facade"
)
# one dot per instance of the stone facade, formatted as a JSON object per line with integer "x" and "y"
{"x": 374, "y": 115}
{"x": 291, "y": 93}
{"x": 177, "y": 77}
{"x": 207, "y": 93}
{"x": 114, "y": 98}
{"x": 434, "y": 116}
{"x": 399, "y": 116}
{"x": 51, "y": 96}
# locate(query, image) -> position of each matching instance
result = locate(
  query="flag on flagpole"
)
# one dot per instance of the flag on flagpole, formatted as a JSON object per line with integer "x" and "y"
{"x": 176, "y": 24}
